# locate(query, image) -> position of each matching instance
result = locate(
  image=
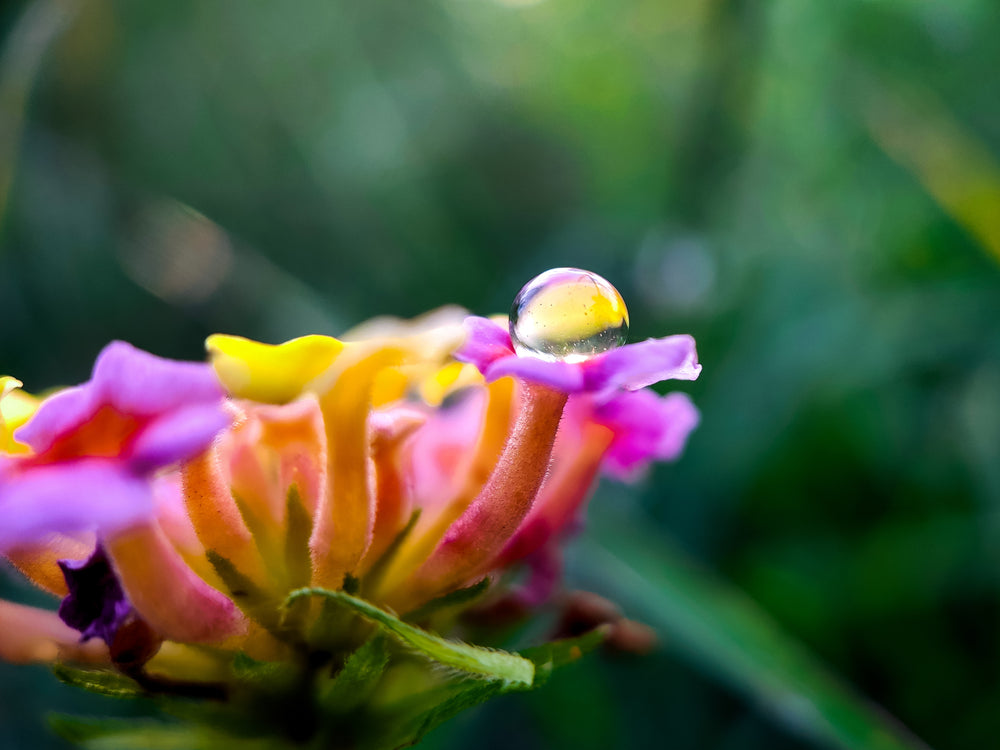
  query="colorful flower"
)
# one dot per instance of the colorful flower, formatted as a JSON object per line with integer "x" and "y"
{"x": 172, "y": 504}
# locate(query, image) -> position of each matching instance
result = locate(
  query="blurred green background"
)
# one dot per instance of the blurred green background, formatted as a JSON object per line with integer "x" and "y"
{"x": 811, "y": 189}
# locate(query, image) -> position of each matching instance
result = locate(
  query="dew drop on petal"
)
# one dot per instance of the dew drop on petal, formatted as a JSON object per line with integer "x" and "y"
{"x": 569, "y": 315}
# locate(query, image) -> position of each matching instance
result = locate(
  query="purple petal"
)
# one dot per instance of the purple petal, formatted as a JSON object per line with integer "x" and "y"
{"x": 96, "y": 604}
{"x": 68, "y": 497}
{"x": 57, "y": 416}
{"x": 647, "y": 428}
{"x": 141, "y": 384}
{"x": 562, "y": 376}
{"x": 177, "y": 436}
{"x": 638, "y": 365}
{"x": 485, "y": 343}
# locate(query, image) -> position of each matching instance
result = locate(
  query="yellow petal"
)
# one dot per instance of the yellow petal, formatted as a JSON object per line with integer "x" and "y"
{"x": 16, "y": 408}
{"x": 270, "y": 373}
{"x": 452, "y": 377}
{"x": 345, "y": 518}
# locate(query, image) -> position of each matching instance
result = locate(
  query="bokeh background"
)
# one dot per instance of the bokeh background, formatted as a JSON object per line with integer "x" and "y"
{"x": 811, "y": 189}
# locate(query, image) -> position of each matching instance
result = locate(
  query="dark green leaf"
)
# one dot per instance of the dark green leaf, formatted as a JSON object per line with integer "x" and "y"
{"x": 355, "y": 683}
{"x": 103, "y": 682}
{"x": 121, "y": 734}
{"x": 555, "y": 654}
{"x": 477, "y": 692}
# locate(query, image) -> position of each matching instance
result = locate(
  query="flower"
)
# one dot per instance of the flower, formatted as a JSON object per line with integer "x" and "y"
{"x": 171, "y": 504}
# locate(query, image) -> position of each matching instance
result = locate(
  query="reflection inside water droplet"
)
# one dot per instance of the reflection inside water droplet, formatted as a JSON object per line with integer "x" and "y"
{"x": 568, "y": 314}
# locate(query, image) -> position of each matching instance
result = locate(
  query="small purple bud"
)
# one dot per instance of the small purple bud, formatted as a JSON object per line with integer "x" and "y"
{"x": 96, "y": 604}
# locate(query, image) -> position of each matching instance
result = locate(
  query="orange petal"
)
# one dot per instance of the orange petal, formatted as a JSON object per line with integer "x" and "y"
{"x": 37, "y": 562}
{"x": 215, "y": 515}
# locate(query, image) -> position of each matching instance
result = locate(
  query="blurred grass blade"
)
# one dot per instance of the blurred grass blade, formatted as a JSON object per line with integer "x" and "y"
{"x": 727, "y": 633}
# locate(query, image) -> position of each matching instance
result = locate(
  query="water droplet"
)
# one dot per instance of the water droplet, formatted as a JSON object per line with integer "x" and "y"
{"x": 569, "y": 315}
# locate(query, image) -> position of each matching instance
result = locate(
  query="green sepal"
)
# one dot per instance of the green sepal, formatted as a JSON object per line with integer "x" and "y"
{"x": 377, "y": 571}
{"x": 453, "y": 599}
{"x": 102, "y": 682}
{"x": 252, "y": 672}
{"x": 298, "y": 564}
{"x": 485, "y": 663}
{"x": 359, "y": 677}
{"x": 257, "y": 604}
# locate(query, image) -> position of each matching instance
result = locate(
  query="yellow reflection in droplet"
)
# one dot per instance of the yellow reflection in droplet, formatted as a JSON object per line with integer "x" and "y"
{"x": 568, "y": 314}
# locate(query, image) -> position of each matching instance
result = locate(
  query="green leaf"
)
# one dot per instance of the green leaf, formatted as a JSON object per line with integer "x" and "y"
{"x": 251, "y": 671}
{"x": 123, "y": 734}
{"x": 727, "y": 633}
{"x": 555, "y": 654}
{"x": 103, "y": 682}
{"x": 477, "y": 692}
{"x": 486, "y": 663}
{"x": 359, "y": 677}
{"x": 458, "y": 598}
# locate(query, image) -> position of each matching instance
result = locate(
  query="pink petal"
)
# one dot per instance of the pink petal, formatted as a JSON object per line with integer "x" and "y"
{"x": 485, "y": 343}
{"x": 68, "y": 497}
{"x": 138, "y": 383}
{"x": 176, "y": 436}
{"x": 562, "y": 376}
{"x": 58, "y": 415}
{"x": 647, "y": 428}
{"x": 639, "y": 365}
{"x": 167, "y": 594}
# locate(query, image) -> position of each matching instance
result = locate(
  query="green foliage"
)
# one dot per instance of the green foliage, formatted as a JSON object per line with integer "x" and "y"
{"x": 393, "y": 689}
{"x": 359, "y": 677}
{"x": 102, "y": 682}
{"x": 764, "y": 175}
{"x": 109, "y": 734}
{"x": 719, "y": 627}
{"x": 487, "y": 663}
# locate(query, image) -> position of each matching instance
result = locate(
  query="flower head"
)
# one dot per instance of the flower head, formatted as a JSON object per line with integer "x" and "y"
{"x": 393, "y": 472}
